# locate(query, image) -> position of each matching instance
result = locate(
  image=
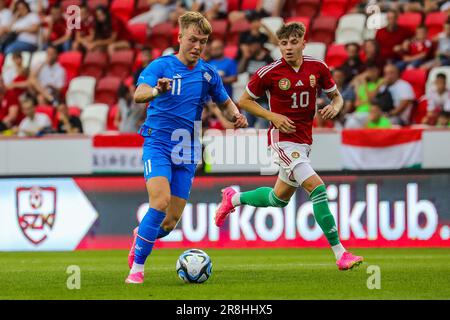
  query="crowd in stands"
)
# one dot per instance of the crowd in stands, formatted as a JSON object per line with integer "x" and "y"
{"x": 70, "y": 66}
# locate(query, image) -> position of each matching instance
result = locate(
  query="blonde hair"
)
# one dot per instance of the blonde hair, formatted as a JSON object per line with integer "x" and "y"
{"x": 197, "y": 19}
{"x": 296, "y": 29}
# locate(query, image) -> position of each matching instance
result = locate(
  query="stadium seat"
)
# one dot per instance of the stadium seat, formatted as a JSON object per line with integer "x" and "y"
{"x": 93, "y": 4}
{"x": 139, "y": 32}
{"x": 322, "y": 29}
{"x": 435, "y": 23}
{"x": 2, "y": 59}
{"x": 272, "y": 23}
{"x": 233, "y": 5}
{"x": 48, "y": 110}
{"x": 122, "y": 9}
{"x": 81, "y": 92}
{"x": 434, "y": 72}
{"x": 94, "y": 64}
{"x": 160, "y": 36}
{"x": 220, "y": 28}
{"x": 71, "y": 61}
{"x": 417, "y": 78}
{"x": 315, "y": 49}
{"x": 74, "y": 111}
{"x": 333, "y": 8}
{"x": 305, "y": 20}
{"x": 141, "y": 7}
{"x": 231, "y": 51}
{"x": 111, "y": 116}
{"x": 94, "y": 118}
{"x": 249, "y": 4}
{"x": 26, "y": 57}
{"x": 410, "y": 20}
{"x": 106, "y": 91}
{"x": 235, "y": 30}
{"x": 37, "y": 59}
{"x": 239, "y": 85}
{"x": 336, "y": 55}
{"x": 275, "y": 53}
{"x": 308, "y": 8}
{"x": 350, "y": 28}
{"x": 120, "y": 64}
{"x": 66, "y": 3}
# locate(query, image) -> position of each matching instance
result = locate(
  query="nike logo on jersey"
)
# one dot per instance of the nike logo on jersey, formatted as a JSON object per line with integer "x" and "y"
{"x": 299, "y": 83}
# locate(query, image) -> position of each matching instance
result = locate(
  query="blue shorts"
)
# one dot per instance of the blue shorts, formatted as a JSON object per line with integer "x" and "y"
{"x": 158, "y": 163}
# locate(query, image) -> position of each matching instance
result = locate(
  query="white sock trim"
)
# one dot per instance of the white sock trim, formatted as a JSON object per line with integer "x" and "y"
{"x": 236, "y": 199}
{"x": 338, "y": 250}
{"x": 137, "y": 268}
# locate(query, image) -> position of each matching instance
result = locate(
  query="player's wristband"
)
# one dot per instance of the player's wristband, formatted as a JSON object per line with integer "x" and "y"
{"x": 155, "y": 92}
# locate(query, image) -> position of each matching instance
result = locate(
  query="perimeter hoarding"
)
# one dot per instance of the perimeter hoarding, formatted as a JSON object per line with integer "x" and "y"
{"x": 400, "y": 210}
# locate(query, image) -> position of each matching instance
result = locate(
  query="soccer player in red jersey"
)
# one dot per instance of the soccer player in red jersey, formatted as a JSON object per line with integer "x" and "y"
{"x": 291, "y": 85}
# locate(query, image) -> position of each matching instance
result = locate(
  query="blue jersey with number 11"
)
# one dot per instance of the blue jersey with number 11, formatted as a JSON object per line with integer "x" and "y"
{"x": 181, "y": 106}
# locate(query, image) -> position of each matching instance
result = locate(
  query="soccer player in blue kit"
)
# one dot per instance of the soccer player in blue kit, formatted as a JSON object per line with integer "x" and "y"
{"x": 177, "y": 87}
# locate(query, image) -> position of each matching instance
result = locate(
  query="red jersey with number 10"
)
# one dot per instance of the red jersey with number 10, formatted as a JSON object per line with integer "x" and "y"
{"x": 292, "y": 93}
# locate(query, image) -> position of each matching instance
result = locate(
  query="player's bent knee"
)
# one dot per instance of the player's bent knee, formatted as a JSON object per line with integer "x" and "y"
{"x": 277, "y": 202}
{"x": 160, "y": 202}
{"x": 302, "y": 172}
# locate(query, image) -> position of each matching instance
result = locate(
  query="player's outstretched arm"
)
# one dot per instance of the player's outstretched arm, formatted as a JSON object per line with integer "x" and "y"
{"x": 232, "y": 114}
{"x": 145, "y": 93}
{"x": 280, "y": 121}
{"x": 332, "y": 110}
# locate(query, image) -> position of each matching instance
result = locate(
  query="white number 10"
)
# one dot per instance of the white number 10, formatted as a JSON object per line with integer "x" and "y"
{"x": 304, "y": 100}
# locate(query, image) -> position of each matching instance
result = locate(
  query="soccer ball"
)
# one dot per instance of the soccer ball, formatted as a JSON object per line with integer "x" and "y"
{"x": 194, "y": 266}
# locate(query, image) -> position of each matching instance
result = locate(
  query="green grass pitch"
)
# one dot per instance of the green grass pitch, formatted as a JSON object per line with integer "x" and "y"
{"x": 237, "y": 274}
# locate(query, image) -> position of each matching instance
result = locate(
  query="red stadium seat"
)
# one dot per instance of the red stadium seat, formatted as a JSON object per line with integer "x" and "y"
{"x": 435, "y": 23}
{"x": 323, "y": 29}
{"x": 141, "y": 7}
{"x": 305, "y": 20}
{"x": 410, "y": 20}
{"x": 235, "y": 30}
{"x": 309, "y": 8}
{"x": 93, "y": 4}
{"x": 49, "y": 111}
{"x": 94, "y": 64}
{"x": 161, "y": 36}
{"x": 71, "y": 62}
{"x": 113, "y": 110}
{"x": 2, "y": 58}
{"x": 66, "y": 3}
{"x": 336, "y": 55}
{"x": 122, "y": 9}
{"x": 74, "y": 111}
{"x": 249, "y": 4}
{"x": 106, "y": 91}
{"x": 333, "y": 8}
{"x": 230, "y": 51}
{"x": 220, "y": 28}
{"x": 120, "y": 64}
{"x": 417, "y": 78}
{"x": 139, "y": 32}
{"x": 233, "y": 5}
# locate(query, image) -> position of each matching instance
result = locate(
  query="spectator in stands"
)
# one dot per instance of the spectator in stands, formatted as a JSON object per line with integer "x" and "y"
{"x": 110, "y": 33}
{"x": 130, "y": 114}
{"x": 364, "y": 86}
{"x": 34, "y": 123}
{"x": 211, "y": 9}
{"x": 159, "y": 13}
{"x": 48, "y": 79}
{"x": 391, "y": 37}
{"x": 38, "y": 6}
{"x": 395, "y": 96}
{"x": 10, "y": 114}
{"x": 57, "y": 33}
{"x": 376, "y": 118}
{"x": 6, "y": 18}
{"x": 443, "y": 120}
{"x": 23, "y": 32}
{"x": 11, "y": 73}
{"x": 353, "y": 65}
{"x": 147, "y": 57}
{"x": 443, "y": 49}
{"x": 67, "y": 123}
{"x": 414, "y": 52}
{"x": 371, "y": 54}
{"x": 80, "y": 36}
{"x": 226, "y": 67}
{"x": 438, "y": 99}
{"x": 255, "y": 32}
{"x": 264, "y": 8}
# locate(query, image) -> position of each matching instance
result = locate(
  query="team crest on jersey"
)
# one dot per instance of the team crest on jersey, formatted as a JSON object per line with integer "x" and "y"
{"x": 295, "y": 155}
{"x": 284, "y": 84}
{"x": 312, "y": 80}
{"x": 207, "y": 76}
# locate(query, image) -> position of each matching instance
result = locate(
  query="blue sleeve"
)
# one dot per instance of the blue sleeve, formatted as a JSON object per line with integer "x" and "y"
{"x": 232, "y": 68}
{"x": 151, "y": 73}
{"x": 216, "y": 90}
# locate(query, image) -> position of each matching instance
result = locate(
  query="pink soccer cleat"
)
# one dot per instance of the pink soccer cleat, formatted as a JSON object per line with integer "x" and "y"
{"x": 131, "y": 253}
{"x": 136, "y": 278}
{"x": 226, "y": 207}
{"x": 349, "y": 261}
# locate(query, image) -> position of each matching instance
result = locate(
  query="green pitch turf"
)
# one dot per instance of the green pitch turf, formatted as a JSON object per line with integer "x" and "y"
{"x": 237, "y": 274}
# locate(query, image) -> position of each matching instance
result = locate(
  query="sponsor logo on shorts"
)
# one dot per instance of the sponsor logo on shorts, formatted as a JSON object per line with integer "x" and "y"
{"x": 284, "y": 84}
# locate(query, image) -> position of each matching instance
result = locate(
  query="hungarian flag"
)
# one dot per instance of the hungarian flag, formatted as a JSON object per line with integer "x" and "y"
{"x": 369, "y": 149}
